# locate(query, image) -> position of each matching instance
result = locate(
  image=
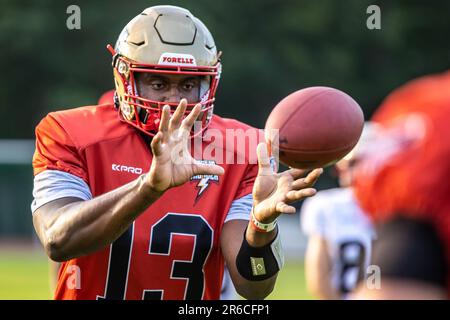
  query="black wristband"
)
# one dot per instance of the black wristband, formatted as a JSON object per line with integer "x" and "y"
{"x": 260, "y": 263}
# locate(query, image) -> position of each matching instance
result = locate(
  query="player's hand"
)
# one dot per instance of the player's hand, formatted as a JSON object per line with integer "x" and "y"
{"x": 172, "y": 163}
{"x": 274, "y": 192}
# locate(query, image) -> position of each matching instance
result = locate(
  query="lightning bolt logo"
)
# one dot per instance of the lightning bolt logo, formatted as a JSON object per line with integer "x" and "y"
{"x": 202, "y": 185}
{"x": 204, "y": 180}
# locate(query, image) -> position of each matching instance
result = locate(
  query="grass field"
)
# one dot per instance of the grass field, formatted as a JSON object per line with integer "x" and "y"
{"x": 24, "y": 275}
{"x": 291, "y": 283}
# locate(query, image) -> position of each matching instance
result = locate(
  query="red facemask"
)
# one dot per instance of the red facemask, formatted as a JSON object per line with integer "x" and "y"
{"x": 145, "y": 114}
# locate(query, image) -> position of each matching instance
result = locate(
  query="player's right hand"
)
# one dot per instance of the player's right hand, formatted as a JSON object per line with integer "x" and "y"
{"x": 172, "y": 163}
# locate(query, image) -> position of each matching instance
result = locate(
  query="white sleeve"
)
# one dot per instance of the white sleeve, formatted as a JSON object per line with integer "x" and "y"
{"x": 312, "y": 218}
{"x": 240, "y": 208}
{"x": 50, "y": 185}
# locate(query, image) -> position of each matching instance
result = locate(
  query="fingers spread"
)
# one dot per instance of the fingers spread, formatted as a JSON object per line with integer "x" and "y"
{"x": 308, "y": 181}
{"x": 312, "y": 177}
{"x": 296, "y": 173}
{"x": 177, "y": 116}
{"x": 299, "y": 184}
{"x": 284, "y": 208}
{"x": 164, "y": 123}
{"x": 156, "y": 144}
{"x": 296, "y": 195}
{"x": 263, "y": 160}
{"x": 188, "y": 122}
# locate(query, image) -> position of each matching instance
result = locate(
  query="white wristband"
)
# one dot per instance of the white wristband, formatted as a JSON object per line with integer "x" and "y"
{"x": 262, "y": 227}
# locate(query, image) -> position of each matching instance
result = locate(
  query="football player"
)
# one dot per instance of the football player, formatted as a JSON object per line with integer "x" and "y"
{"x": 339, "y": 233}
{"x": 402, "y": 181}
{"x": 227, "y": 292}
{"x": 107, "y": 97}
{"x": 119, "y": 198}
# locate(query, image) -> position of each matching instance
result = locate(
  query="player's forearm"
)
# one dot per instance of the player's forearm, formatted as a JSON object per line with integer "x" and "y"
{"x": 321, "y": 289}
{"x": 318, "y": 268}
{"x": 86, "y": 226}
{"x": 251, "y": 290}
{"x": 318, "y": 280}
{"x": 259, "y": 239}
{"x": 258, "y": 289}
{"x": 231, "y": 242}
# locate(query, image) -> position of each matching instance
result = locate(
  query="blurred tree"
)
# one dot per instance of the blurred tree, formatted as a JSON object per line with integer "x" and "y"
{"x": 270, "y": 48}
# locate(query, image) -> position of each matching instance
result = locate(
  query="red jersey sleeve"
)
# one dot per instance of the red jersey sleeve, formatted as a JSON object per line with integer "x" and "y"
{"x": 56, "y": 150}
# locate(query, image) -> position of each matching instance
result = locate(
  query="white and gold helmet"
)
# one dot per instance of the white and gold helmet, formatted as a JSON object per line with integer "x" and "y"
{"x": 163, "y": 40}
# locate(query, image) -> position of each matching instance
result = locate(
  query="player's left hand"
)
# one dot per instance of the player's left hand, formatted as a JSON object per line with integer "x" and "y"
{"x": 274, "y": 192}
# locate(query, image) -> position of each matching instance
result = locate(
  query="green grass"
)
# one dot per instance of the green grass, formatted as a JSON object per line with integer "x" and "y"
{"x": 25, "y": 275}
{"x": 291, "y": 283}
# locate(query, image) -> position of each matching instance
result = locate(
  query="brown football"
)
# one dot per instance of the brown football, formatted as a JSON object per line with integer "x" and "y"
{"x": 317, "y": 127}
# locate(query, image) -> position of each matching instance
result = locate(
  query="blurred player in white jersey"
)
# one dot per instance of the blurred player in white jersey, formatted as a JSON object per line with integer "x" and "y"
{"x": 340, "y": 234}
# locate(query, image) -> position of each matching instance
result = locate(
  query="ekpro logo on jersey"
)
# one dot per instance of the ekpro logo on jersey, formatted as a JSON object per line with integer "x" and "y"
{"x": 122, "y": 168}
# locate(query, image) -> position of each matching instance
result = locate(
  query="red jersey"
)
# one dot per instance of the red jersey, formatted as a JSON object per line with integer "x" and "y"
{"x": 172, "y": 250}
{"x": 408, "y": 171}
{"x": 107, "y": 97}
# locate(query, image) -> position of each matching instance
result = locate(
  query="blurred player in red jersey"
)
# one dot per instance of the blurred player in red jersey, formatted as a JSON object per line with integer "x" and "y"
{"x": 107, "y": 97}
{"x": 124, "y": 233}
{"x": 403, "y": 182}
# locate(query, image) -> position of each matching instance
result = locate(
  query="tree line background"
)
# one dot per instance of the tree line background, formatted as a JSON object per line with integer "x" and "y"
{"x": 270, "y": 48}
